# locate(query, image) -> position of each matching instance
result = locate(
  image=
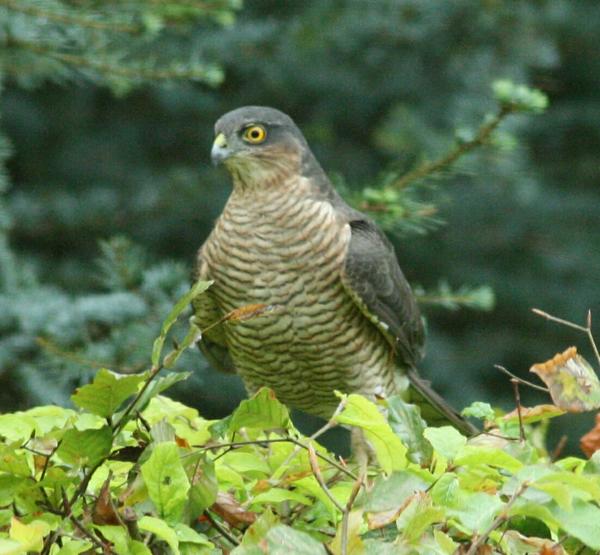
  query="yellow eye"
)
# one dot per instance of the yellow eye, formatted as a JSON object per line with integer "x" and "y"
{"x": 255, "y": 134}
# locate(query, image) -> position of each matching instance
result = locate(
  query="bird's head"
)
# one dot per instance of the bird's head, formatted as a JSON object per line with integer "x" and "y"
{"x": 256, "y": 143}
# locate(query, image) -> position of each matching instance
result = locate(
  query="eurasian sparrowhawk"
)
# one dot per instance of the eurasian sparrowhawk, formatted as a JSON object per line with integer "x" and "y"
{"x": 346, "y": 317}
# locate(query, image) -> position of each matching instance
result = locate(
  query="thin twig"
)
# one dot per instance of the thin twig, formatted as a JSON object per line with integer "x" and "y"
{"x": 316, "y": 470}
{"x": 515, "y": 384}
{"x": 500, "y": 519}
{"x": 96, "y": 541}
{"x": 69, "y": 19}
{"x": 559, "y": 447}
{"x": 587, "y": 329}
{"x": 221, "y": 529}
{"x": 455, "y": 153}
{"x": 521, "y": 380}
{"x": 353, "y": 494}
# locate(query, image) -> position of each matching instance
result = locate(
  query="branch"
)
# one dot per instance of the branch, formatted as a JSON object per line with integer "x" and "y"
{"x": 587, "y": 329}
{"x": 104, "y": 68}
{"x": 483, "y": 134}
{"x": 69, "y": 19}
{"x": 500, "y": 519}
{"x": 521, "y": 380}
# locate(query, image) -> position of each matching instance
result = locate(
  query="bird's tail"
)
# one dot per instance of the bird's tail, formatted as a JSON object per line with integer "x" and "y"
{"x": 434, "y": 409}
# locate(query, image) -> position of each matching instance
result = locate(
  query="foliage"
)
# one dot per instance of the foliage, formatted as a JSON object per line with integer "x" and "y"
{"x": 133, "y": 472}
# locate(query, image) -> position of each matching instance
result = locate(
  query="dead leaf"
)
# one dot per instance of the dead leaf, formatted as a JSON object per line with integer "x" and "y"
{"x": 590, "y": 442}
{"x": 572, "y": 382}
{"x": 542, "y": 546}
{"x": 230, "y": 510}
{"x": 104, "y": 511}
{"x": 248, "y": 312}
{"x": 533, "y": 414}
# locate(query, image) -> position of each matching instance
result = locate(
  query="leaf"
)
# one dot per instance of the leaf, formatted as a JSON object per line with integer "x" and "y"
{"x": 259, "y": 529}
{"x": 581, "y": 522}
{"x": 279, "y": 495}
{"x": 590, "y": 442}
{"x": 405, "y": 419}
{"x": 230, "y": 510}
{"x": 166, "y": 481}
{"x": 73, "y": 547}
{"x": 197, "y": 289}
{"x": 204, "y": 487}
{"x": 161, "y": 530}
{"x": 30, "y": 536}
{"x": 159, "y": 385}
{"x": 417, "y": 517}
{"x": 283, "y": 540}
{"x": 530, "y": 415}
{"x": 391, "y": 492}
{"x": 85, "y": 448}
{"x": 355, "y": 544}
{"x": 471, "y": 455}
{"x": 446, "y": 489}
{"x": 13, "y": 461}
{"x": 262, "y": 411}
{"x": 362, "y": 413}
{"x": 104, "y": 511}
{"x": 248, "y": 312}
{"x": 185, "y": 534}
{"x": 476, "y": 511}
{"x": 477, "y": 409}
{"x": 446, "y": 441}
{"x": 573, "y": 383}
{"x": 107, "y": 392}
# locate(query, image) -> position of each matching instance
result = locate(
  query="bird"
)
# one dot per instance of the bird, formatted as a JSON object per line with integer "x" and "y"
{"x": 342, "y": 316}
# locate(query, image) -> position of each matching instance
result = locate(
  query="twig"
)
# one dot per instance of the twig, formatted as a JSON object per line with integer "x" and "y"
{"x": 521, "y": 380}
{"x": 515, "y": 384}
{"x": 353, "y": 494}
{"x": 455, "y": 153}
{"x": 587, "y": 329}
{"x": 96, "y": 541}
{"x": 314, "y": 466}
{"x": 559, "y": 447}
{"x": 69, "y": 19}
{"x": 501, "y": 518}
{"x": 222, "y": 530}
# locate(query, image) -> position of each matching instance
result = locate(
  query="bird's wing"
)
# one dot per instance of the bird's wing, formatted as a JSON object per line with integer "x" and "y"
{"x": 206, "y": 312}
{"x": 373, "y": 278}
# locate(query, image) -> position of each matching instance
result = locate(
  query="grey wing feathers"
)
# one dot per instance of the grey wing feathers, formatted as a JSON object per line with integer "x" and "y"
{"x": 374, "y": 279}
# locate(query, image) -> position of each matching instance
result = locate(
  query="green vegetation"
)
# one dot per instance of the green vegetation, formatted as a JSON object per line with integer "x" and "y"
{"x": 134, "y": 472}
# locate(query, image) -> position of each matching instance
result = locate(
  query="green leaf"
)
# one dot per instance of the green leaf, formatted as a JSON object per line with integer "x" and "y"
{"x": 519, "y": 97}
{"x": 73, "y": 547}
{"x": 198, "y": 288}
{"x": 283, "y": 540}
{"x": 159, "y": 385}
{"x": 30, "y": 536}
{"x": 476, "y": 511}
{"x": 446, "y": 441}
{"x": 445, "y": 491}
{"x": 279, "y": 495}
{"x": 482, "y": 411}
{"x": 118, "y": 536}
{"x": 582, "y": 522}
{"x": 166, "y": 481}
{"x": 107, "y": 392}
{"x": 392, "y": 491}
{"x": 14, "y": 461}
{"x": 259, "y": 529}
{"x": 417, "y": 517}
{"x": 161, "y": 530}
{"x": 185, "y": 534}
{"x": 405, "y": 419}
{"x": 204, "y": 487}
{"x": 362, "y": 413}
{"x": 85, "y": 448}
{"x": 262, "y": 411}
{"x": 471, "y": 455}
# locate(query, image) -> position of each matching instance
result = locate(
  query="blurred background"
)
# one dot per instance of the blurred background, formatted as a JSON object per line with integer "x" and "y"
{"x": 107, "y": 111}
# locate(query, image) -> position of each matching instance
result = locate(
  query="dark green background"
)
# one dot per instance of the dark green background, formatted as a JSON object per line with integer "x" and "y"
{"x": 375, "y": 86}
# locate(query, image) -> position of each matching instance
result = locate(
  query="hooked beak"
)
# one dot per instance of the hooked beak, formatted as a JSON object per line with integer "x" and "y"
{"x": 219, "y": 151}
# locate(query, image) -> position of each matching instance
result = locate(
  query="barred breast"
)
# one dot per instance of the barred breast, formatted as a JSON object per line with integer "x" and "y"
{"x": 288, "y": 250}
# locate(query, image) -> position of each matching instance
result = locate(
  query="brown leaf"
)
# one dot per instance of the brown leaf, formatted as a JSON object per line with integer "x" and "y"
{"x": 182, "y": 442}
{"x": 230, "y": 510}
{"x": 104, "y": 510}
{"x": 572, "y": 382}
{"x": 533, "y": 414}
{"x": 247, "y": 312}
{"x": 590, "y": 442}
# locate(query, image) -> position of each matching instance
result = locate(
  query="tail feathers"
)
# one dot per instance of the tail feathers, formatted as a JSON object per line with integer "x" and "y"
{"x": 433, "y": 408}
